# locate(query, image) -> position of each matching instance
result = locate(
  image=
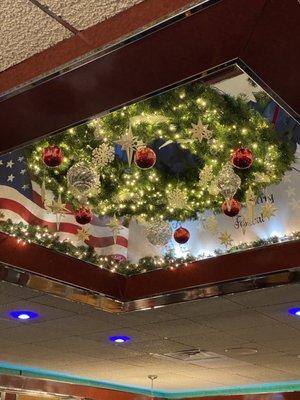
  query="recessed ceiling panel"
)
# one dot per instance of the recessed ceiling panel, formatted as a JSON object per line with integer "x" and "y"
{"x": 24, "y": 31}
{"x": 85, "y": 13}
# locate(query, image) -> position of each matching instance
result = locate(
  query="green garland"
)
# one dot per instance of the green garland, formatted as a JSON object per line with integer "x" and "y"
{"x": 42, "y": 236}
{"x": 132, "y": 192}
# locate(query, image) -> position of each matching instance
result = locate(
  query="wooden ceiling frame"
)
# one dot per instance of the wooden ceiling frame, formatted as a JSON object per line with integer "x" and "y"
{"x": 222, "y": 33}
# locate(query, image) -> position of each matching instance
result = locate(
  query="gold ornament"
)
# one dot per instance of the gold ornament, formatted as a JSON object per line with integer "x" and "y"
{"x": 103, "y": 155}
{"x": 129, "y": 143}
{"x": 58, "y": 208}
{"x": 83, "y": 234}
{"x": 200, "y": 131}
{"x": 225, "y": 239}
{"x": 268, "y": 210}
{"x": 206, "y": 175}
{"x": 213, "y": 188}
{"x": 177, "y": 198}
{"x": 211, "y": 225}
{"x": 261, "y": 177}
{"x": 115, "y": 227}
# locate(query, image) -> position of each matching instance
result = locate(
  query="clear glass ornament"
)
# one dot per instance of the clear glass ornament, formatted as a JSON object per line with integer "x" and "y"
{"x": 228, "y": 181}
{"x": 82, "y": 180}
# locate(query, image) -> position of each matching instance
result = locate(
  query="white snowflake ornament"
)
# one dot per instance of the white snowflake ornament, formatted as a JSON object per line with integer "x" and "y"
{"x": 103, "y": 155}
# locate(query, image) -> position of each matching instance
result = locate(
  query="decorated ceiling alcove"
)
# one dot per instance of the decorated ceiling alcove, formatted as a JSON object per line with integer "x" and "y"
{"x": 139, "y": 188}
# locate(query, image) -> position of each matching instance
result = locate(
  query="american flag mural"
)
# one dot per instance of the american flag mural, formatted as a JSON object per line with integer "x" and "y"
{"x": 21, "y": 201}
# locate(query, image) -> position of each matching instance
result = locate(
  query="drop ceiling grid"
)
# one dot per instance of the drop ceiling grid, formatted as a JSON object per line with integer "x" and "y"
{"x": 84, "y": 13}
{"x": 25, "y": 30}
{"x": 72, "y": 338}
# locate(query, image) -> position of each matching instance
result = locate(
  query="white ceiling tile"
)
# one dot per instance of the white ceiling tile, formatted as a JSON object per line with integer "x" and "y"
{"x": 84, "y": 13}
{"x": 269, "y": 296}
{"x": 25, "y": 30}
{"x": 71, "y": 338}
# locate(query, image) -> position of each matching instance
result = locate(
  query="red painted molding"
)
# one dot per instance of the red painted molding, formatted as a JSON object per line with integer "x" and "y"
{"x": 63, "y": 388}
{"x": 90, "y": 39}
{"x": 214, "y": 270}
{"x": 204, "y": 40}
{"x": 56, "y": 266}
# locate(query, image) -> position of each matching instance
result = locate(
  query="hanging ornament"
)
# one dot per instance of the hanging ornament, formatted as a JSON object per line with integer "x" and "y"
{"x": 129, "y": 143}
{"x": 213, "y": 188}
{"x": 52, "y": 156}
{"x": 181, "y": 235}
{"x": 103, "y": 155}
{"x": 83, "y": 235}
{"x": 231, "y": 207}
{"x": 83, "y": 215}
{"x": 250, "y": 204}
{"x": 144, "y": 158}
{"x": 268, "y": 210}
{"x": 200, "y": 131}
{"x": 82, "y": 180}
{"x": 58, "y": 208}
{"x": 261, "y": 177}
{"x": 228, "y": 182}
{"x": 242, "y": 158}
{"x": 151, "y": 119}
{"x": 158, "y": 233}
{"x": 177, "y": 198}
{"x": 115, "y": 227}
{"x": 205, "y": 176}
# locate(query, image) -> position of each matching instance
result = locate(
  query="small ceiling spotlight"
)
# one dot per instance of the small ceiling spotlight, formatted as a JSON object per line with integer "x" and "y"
{"x": 23, "y": 315}
{"x": 119, "y": 339}
{"x": 295, "y": 311}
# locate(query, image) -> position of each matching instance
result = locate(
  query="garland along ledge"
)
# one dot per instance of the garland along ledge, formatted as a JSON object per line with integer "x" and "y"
{"x": 169, "y": 157}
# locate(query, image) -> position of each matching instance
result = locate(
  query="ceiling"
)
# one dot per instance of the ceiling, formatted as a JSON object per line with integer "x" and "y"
{"x": 26, "y": 30}
{"x": 72, "y": 338}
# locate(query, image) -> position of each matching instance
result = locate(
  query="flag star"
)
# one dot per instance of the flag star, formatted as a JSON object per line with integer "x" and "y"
{"x": 10, "y": 178}
{"x": 20, "y": 159}
{"x": 9, "y": 164}
{"x": 290, "y": 191}
{"x": 24, "y": 187}
{"x": 22, "y": 172}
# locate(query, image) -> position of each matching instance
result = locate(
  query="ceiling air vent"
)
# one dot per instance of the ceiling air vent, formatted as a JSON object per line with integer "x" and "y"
{"x": 190, "y": 355}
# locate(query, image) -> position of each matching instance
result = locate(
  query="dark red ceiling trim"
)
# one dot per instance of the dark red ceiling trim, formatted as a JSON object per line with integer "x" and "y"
{"x": 88, "y": 40}
{"x": 45, "y": 262}
{"x": 24, "y": 384}
{"x": 217, "y": 269}
{"x": 202, "y": 41}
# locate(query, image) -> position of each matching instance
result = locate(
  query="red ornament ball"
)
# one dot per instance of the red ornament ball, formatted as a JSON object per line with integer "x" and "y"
{"x": 231, "y": 208}
{"x": 144, "y": 158}
{"x": 181, "y": 235}
{"x": 242, "y": 158}
{"x": 84, "y": 215}
{"x": 52, "y": 156}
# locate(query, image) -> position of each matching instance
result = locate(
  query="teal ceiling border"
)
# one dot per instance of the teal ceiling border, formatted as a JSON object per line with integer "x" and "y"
{"x": 275, "y": 387}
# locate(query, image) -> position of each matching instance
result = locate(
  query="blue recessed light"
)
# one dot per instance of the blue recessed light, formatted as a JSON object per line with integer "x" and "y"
{"x": 295, "y": 311}
{"x": 23, "y": 315}
{"x": 119, "y": 339}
